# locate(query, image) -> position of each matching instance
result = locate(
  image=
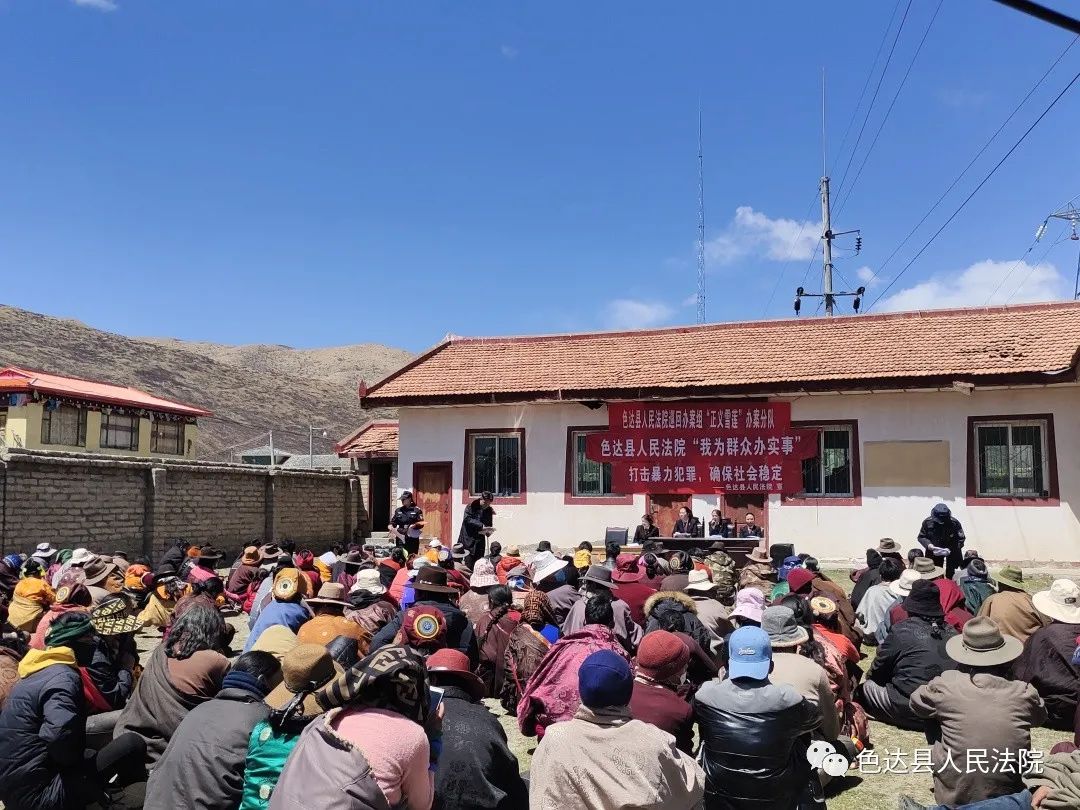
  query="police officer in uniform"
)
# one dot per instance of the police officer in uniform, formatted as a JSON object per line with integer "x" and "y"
{"x": 406, "y": 523}
{"x": 943, "y": 537}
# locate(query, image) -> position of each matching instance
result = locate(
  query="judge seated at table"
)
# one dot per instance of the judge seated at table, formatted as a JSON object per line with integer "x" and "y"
{"x": 750, "y": 527}
{"x": 719, "y": 526}
{"x": 646, "y": 531}
{"x": 687, "y": 525}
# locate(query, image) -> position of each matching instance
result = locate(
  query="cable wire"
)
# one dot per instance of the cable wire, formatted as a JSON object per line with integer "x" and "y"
{"x": 795, "y": 241}
{"x": 977, "y": 188}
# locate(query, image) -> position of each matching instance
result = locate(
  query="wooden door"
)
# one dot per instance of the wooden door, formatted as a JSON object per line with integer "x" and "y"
{"x": 665, "y": 511}
{"x": 734, "y": 507}
{"x": 431, "y": 488}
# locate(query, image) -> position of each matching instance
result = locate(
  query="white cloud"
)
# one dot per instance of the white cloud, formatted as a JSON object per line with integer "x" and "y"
{"x": 508, "y": 51}
{"x": 751, "y": 232}
{"x": 866, "y": 275}
{"x": 98, "y": 5}
{"x": 985, "y": 282}
{"x": 690, "y": 301}
{"x": 628, "y": 313}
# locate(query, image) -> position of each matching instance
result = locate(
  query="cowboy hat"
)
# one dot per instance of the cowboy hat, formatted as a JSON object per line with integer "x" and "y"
{"x": 113, "y": 618}
{"x": 330, "y": 593}
{"x": 902, "y": 586}
{"x": 452, "y": 667}
{"x": 208, "y": 553}
{"x": 368, "y": 580}
{"x": 926, "y": 569}
{"x": 982, "y": 644}
{"x": 432, "y": 579}
{"x": 698, "y": 580}
{"x": 304, "y": 668}
{"x": 1061, "y": 602}
{"x": 760, "y": 555}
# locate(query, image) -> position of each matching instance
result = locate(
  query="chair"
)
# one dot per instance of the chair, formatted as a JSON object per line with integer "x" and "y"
{"x": 616, "y": 534}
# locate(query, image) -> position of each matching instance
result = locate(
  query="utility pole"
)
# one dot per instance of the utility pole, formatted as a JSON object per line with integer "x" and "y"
{"x": 826, "y": 254}
{"x": 272, "y": 456}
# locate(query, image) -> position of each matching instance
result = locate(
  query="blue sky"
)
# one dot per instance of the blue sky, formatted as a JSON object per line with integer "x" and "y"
{"x": 342, "y": 171}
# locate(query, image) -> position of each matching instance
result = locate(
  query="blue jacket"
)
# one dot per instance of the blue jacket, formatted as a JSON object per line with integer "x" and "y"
{"x": 289, "y": 614}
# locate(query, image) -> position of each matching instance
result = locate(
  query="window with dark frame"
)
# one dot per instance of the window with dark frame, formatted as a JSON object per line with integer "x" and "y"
{"x": 64, "y": 425}
{"x": 829, "y": 473}
{"x": 496, "y": 464}
{"x": 1011, "y": 458}
{"x": 590, "y": 479}
{"x": 119, "y": 431}
{"x": 167, "y": 438}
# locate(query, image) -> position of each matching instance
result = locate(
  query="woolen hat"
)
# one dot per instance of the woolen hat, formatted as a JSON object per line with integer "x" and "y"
{"x": 304, "y": 668}
{"x": 982, "y": 644}
{"x": 1010, "y": 575}
{"x": 113, "y": 617}
{"x": 368, "y": 580}
{"x": 749, "y": 654}
{"x": 1061, "y": 602}
{"x": 424, "y": 627}
{"x": 451, "y": 667}
{"x": 432, "y": 579}
{"x": 926, "y": 569}
{"x": 582, "y": 558}
{"x": 799, "y": 579}
{"x": 698, "y": 580}
{"x": 784, "y": 632}
{"x": 662, "y": 655}
{"x": 483, "y": 574}
{"x": 605, "y": 679}
{"x": 330, "y": 593}
{"x": 627, "y": 569}
{"x": 600, "y": 575}
{"x": 749, "y": 604}
{"x": 902, "y": 586}
{"x": 924, "y": 600}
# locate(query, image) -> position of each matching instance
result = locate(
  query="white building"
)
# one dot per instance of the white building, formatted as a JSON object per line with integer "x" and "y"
{"x": 976, "y": 408}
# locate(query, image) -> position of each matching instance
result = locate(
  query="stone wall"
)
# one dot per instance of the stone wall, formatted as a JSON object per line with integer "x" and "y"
{"x": 140, "y": 506}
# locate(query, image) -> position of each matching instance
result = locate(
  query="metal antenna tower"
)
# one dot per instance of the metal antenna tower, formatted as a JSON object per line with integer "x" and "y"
{"x": 700, "y": 224}
{"x": 1071, "y": 215}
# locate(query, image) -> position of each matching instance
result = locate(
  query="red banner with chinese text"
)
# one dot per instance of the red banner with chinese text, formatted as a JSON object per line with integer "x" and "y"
{"x": 702, "y": 447}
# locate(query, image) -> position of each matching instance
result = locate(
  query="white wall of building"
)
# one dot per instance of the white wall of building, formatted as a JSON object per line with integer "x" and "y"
{"x": 1039, "y": 533}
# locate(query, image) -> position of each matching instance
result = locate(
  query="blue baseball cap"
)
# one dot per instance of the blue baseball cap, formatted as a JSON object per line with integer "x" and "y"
{"x": 749, "y": 654}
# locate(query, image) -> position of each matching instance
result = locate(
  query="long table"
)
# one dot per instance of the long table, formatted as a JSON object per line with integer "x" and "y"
{"x": 738, "y": 548}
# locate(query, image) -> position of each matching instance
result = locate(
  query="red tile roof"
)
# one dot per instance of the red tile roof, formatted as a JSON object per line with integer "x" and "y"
{"x": 1024, "y": 344}
{"x": 376, "y": 439}
{"x": 20, "y": 380}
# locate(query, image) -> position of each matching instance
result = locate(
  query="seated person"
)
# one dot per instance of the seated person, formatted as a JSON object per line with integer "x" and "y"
{"x": 750, "y": 527}
{"x": 687, "y": 525}
{"x": 646, "y": 530}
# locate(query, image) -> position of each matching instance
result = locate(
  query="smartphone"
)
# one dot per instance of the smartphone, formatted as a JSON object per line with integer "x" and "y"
{"x": 436, "y": 697}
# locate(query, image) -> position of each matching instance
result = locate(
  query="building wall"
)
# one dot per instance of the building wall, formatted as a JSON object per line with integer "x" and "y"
{"x": 24, "y": 431}
{"x": 1028, "y": 532}
{"x": 141, "y": 506}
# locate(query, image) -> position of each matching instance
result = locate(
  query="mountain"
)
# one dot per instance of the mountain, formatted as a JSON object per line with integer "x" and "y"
{"x": 251, "y": 389}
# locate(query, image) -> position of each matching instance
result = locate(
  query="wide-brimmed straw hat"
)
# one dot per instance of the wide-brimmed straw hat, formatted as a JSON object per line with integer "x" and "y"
{"x": 926, "y": 569}
{"x": 449, "y": 665}
{"x": 760, "y": 555}
{"x": 982, "y": 644}
{"x": 698, "y": 580}
{"x": 304, "y": 668}
{"x": 330, "y": 593}
{"x": 1061, "y": 602}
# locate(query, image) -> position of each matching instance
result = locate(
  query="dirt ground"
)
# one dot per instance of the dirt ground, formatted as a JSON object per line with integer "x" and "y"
{"x": 854, "y": 792}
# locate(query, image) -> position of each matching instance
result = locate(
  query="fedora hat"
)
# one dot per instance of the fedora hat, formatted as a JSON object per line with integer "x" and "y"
{"x": 368, "y": 580}
{"x": 698, "y": 580}
{"x": 113, "y": 617}
{"x": 251, "y": 556}
{"x": 432, "y": 579}
{"x": 982, "y": 644}
{"x": 97, "y": 570}
{"x": 925, "y": 568}
{"x": 784, "y": 631}
{"x": 600, "y": 575}
{"x": 886, "y": 545}
{"x": 208, "y": 553}
{"x": 1010, "y": 575}
{"x": 1061, "y": 602}
{"x": 627, "y": 569}
{"x": 354, "y": 558}
{"x": 451, "y": 667}
{"x": 304, "y": 668}
{"x": 760, "y": 555}
{"x": 330, "y": 593}
{"x": 902, "y": 586}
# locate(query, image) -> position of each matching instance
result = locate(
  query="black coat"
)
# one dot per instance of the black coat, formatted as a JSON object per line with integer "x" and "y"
{"x": 869, "y": 578}
{"x": 948, "y": 534}
{"x": 909, "y": 657}
{"x": 1046, "y": 664}
{"x": 751, "y": 531}
{"x": 114, "y": 683}
{"x": 690, "y": 526}
{"x": 42, "y": 738}
{"x": 459, "y": 630}
{"x": 476, "y": 519}
{"x": 174, "y": 556}
{"x": 476, "y": 771}
{"x": 641, "y": 534}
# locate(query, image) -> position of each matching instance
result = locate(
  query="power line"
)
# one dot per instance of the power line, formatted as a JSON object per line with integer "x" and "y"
{"x": 791, "y": 247}
{"x": 1033, "y": 267}
{"x": 973, "y": 160}
{"x": 873, "y": 98}
{"x": 896, "y": 95}
{"x": 977, "y": 188}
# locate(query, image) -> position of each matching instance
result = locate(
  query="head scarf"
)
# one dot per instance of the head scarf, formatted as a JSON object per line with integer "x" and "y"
{"x": 67, "y": 628}
{"x": 63, "y": 555}
{"x": 36, "y": 590}
{"x": 392, "y": 678}
{"x": 537, "y": 608}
